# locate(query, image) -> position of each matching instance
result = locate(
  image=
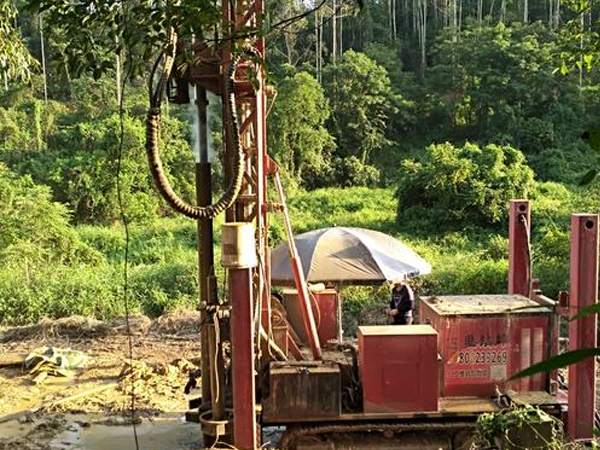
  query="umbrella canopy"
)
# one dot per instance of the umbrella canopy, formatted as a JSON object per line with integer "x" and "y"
{"x": 348, "y": 255}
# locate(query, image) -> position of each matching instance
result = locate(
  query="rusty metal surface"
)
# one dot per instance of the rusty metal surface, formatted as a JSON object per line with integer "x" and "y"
{"x": 398, "y": 368}
{"x": 242, "y": 341}
{"x": 298, "y": 390}
{"x": 480, "y": 351}
{"x": 386, "y": 440}
{"x": 459, "y": 408}
{"x": 519, "y": 258}
{"x": 467, "y": 405}
{"x": 582, "y": 332}
{"x": 467, "y": 305}
{"x": 294, "y": 434}
{"x": 535, "y": 398}
{"x": 327, "y": 302}
{"x": 326, "y": 314}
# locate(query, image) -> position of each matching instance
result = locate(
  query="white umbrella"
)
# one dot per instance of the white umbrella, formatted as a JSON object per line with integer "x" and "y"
{"x": 348, "y": 255}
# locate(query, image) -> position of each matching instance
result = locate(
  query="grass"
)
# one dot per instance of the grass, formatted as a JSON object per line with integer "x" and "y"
{"x": 163, "y": 259}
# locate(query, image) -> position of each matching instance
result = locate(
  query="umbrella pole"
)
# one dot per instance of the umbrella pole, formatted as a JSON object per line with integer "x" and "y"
{"x": 303, "y": 295}
{"x": 339, "y": 314}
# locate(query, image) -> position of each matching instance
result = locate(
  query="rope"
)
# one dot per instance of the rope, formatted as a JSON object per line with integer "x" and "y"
{"x": 217, "y": 341}
{"x": 232, "y": 124}
{"x": 125, "y": 221}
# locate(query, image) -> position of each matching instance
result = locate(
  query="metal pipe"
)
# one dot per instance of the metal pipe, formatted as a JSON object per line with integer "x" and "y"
{"x": 542, "y": 300}
{"x": 519, "y": 276}
{"x": 582, "y": 332}
{"x": 303, "y": 294}
{"x": 242, "y": 342}
{"x": 212, "y": 361}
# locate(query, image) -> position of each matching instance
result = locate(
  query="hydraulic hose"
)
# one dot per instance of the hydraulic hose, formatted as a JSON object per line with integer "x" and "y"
{"x": 232, "y": 124}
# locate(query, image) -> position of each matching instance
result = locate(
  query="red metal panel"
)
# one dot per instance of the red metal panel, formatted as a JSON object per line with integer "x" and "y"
{"x": 326, "y": 314}
{"x": 480, "y": 352}
{"x": 518, "y": 244}
{"x": 582, "y": 332}
{"x": 327, "y": 302}
{"x": 242, "y": 340}
{"x": 398, "y": 368}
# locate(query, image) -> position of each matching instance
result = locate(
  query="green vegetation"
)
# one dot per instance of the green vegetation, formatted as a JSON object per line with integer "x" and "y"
{"x": 463, "y": 185}
{"x": 519, "y": 427}
{"x": 419, "y": 122}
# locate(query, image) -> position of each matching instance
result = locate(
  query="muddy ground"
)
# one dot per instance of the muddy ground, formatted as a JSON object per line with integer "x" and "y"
{"x": 44, "y": 416}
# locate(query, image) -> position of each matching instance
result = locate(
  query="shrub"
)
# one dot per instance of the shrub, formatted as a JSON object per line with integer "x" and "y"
{"x": 33, "y": 228}
{"x": 464, "y": 185}
{"x": 350, "y": 171}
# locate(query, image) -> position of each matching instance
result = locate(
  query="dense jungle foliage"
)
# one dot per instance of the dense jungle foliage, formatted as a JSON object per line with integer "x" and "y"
{"x": 419, "y": 119}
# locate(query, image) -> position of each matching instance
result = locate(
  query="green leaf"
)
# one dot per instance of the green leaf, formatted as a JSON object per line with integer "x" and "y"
{"x": 585, "y": 312}
{"x": 557, "y": 362}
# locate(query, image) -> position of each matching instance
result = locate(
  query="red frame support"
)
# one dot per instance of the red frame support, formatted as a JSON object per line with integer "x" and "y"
{"x": 250, "y": 206}
{"x": 582, "y": 332}
{"x": 242, "y": 343}
{"x": 519, "y": 228}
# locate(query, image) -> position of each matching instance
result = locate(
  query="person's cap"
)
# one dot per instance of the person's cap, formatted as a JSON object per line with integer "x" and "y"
{"x": 398, "y": 280}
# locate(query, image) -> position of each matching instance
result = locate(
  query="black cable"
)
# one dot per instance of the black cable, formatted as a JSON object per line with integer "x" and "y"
{"x": 126, "y": 228}
{"x": 231, "y": 123}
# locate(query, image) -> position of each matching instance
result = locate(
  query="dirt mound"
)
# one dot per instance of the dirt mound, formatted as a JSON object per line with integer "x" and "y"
{"x": 73, "y": 327}
{"x": 178, "y": 323}
{"x": 138, "y": 324}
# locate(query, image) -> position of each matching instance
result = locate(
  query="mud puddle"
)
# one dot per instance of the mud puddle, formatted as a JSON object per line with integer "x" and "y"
{"x": 162, "y": 433}
{"x": 93, "y": 432}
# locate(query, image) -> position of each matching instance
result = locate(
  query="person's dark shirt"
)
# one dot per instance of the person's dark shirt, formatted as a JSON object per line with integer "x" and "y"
{"x": 403, "y": 300}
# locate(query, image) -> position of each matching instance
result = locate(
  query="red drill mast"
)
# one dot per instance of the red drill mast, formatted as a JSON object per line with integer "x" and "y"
{"x": 236, "y": 73}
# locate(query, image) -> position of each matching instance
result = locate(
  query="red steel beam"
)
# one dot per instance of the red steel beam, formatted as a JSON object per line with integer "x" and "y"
{"x": 519, "y": 227}
{"x": 582, "y": 332}
{"x": 242, "y": 343}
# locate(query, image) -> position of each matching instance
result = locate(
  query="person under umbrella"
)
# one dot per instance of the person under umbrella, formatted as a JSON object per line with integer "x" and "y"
{"x": 402, "y": 303}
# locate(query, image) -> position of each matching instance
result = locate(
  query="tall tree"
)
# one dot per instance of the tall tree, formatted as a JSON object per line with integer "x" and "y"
{"x": 362, "y": 90}
{"x": 15, "y": 61}
{"x": 297, "y": 134}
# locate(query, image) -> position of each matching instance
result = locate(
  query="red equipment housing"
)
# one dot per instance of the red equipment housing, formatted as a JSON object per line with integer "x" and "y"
{"x": 485, "y": 339}
{"x": 398, "y": 368}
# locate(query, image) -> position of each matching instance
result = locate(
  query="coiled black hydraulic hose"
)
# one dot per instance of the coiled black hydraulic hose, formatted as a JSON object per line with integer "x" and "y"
{"x": 232, "y": 124}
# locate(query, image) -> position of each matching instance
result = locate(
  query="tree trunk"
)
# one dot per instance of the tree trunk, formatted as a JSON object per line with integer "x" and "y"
{"x": 334, "y": 32}
{"x": 422, "y": 33}
{"x": 43, "y": 48}
{"x": 525, "y": 11}
{"x": 455, "y": 24}
{"x": 316, "y": 44}
{"x": 406, "y": 18}
{"x": 390, "y": 27}
{"x": 394, "y": 26}
{"x": 582, "y": 29}
{"x": 118, "y": 72}
{"x": 341, "y": 36}
{"x": 68, "y": 75}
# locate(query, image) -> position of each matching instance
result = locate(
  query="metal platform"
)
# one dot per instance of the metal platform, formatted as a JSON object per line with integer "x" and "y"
{"x": 456, "y": 408}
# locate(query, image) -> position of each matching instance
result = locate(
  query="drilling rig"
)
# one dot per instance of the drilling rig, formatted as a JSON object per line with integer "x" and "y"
{"x": 420, "y": 386}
